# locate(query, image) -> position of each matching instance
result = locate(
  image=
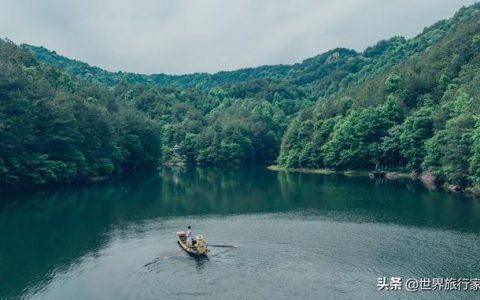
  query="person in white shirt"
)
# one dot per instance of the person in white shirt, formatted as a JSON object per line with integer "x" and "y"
{"x": 189, "y": 235}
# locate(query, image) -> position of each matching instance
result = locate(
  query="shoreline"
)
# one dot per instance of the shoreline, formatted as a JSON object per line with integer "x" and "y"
{"x": 388, "y": 175}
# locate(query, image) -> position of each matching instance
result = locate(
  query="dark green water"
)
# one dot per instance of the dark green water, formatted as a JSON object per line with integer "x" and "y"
{"x": 300, "y": 236}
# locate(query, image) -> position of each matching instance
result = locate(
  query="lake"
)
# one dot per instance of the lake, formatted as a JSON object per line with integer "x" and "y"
{"x": 299, "y": 236}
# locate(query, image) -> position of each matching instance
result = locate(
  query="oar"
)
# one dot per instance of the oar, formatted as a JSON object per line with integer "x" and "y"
{"x": 221, "y": 252}
{"x": 222, "y": 246}
{"x": 164, "y": 257}
{"x": 152, "y": 262}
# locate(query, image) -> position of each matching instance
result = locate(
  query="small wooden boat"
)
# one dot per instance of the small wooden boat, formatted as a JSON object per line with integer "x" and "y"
{"x": 197, "y": 250}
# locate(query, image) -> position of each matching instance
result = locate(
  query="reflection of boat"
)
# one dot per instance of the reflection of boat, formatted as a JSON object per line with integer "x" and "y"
{"x": 198, "y": 249}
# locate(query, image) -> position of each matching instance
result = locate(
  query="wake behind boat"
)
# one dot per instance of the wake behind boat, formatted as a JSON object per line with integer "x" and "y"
{"x": 198, "y": 247}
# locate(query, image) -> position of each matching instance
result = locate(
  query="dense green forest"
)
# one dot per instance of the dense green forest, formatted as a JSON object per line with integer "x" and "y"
{"x": 421, "y": 115}
{"x": 59, "y": 129}
{"x": 54, "y": 129}
{"x": 402, "y": 103}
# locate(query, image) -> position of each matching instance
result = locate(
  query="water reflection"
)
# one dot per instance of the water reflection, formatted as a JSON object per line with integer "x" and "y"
{"x": 47, "y": 233}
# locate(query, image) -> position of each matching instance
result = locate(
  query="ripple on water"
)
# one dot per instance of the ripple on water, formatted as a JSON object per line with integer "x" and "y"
{"x": 279, "y": 257}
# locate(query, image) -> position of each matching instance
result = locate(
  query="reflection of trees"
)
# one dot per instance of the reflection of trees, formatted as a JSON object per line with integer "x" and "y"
{"x": 405, "y": 202}
{"x": 214, "y": 191}
{"x": 52, "y": 230}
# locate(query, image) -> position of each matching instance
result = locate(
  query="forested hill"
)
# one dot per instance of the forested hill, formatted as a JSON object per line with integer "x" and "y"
{"x": 56, "y": 130}
{"x": 402, "y": 103}
{"x": 423, "y": 115}
{"x": 322, "y": 75}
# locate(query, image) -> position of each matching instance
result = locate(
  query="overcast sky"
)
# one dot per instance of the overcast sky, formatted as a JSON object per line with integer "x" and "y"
{"x": 185, "y": 36}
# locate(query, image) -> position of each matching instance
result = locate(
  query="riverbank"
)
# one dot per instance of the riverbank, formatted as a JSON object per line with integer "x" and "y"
{"x": 388, "y": 175}
{"x": 426, "y": 178}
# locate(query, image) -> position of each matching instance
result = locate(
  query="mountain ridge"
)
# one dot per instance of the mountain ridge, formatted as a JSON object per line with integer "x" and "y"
{"x": 304, "y": 72}
{"x": 420, "y": 116}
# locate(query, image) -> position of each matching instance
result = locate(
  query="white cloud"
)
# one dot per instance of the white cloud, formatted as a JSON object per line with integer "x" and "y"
{"x": 185, "y": 36}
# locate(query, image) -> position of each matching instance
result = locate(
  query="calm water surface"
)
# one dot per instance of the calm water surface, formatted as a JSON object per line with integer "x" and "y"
{"x": 300, "y": 236}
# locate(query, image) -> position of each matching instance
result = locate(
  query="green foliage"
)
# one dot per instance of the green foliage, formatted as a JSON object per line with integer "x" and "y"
{"x": 392, "y": 84}
{"x": 356, "y": 141}
{"x": 56, "y": 130}
{"x": 321, "y": 76}
{"x": 409, "y": 103}
{"x": 451, "y": 149}
{"x": 417, "y": 128}
{"x": 421, "y": 114}
{"x": 474, "y": 160}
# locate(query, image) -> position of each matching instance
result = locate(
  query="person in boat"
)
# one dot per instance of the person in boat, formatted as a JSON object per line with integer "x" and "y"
{"x": 189, "y": 235}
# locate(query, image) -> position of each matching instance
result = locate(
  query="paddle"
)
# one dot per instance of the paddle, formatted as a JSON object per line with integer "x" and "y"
{"x": 222, "y": 246}
{"x": 164, "y": 257}
{"x": 152, "y": 262}
{"x": 221, "y": 252}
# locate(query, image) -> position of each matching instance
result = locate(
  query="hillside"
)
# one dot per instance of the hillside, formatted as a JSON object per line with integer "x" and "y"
{"x": 402, "y": 103}
{"x": 421, "y": 116}
{"x": 56, "y": 130}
